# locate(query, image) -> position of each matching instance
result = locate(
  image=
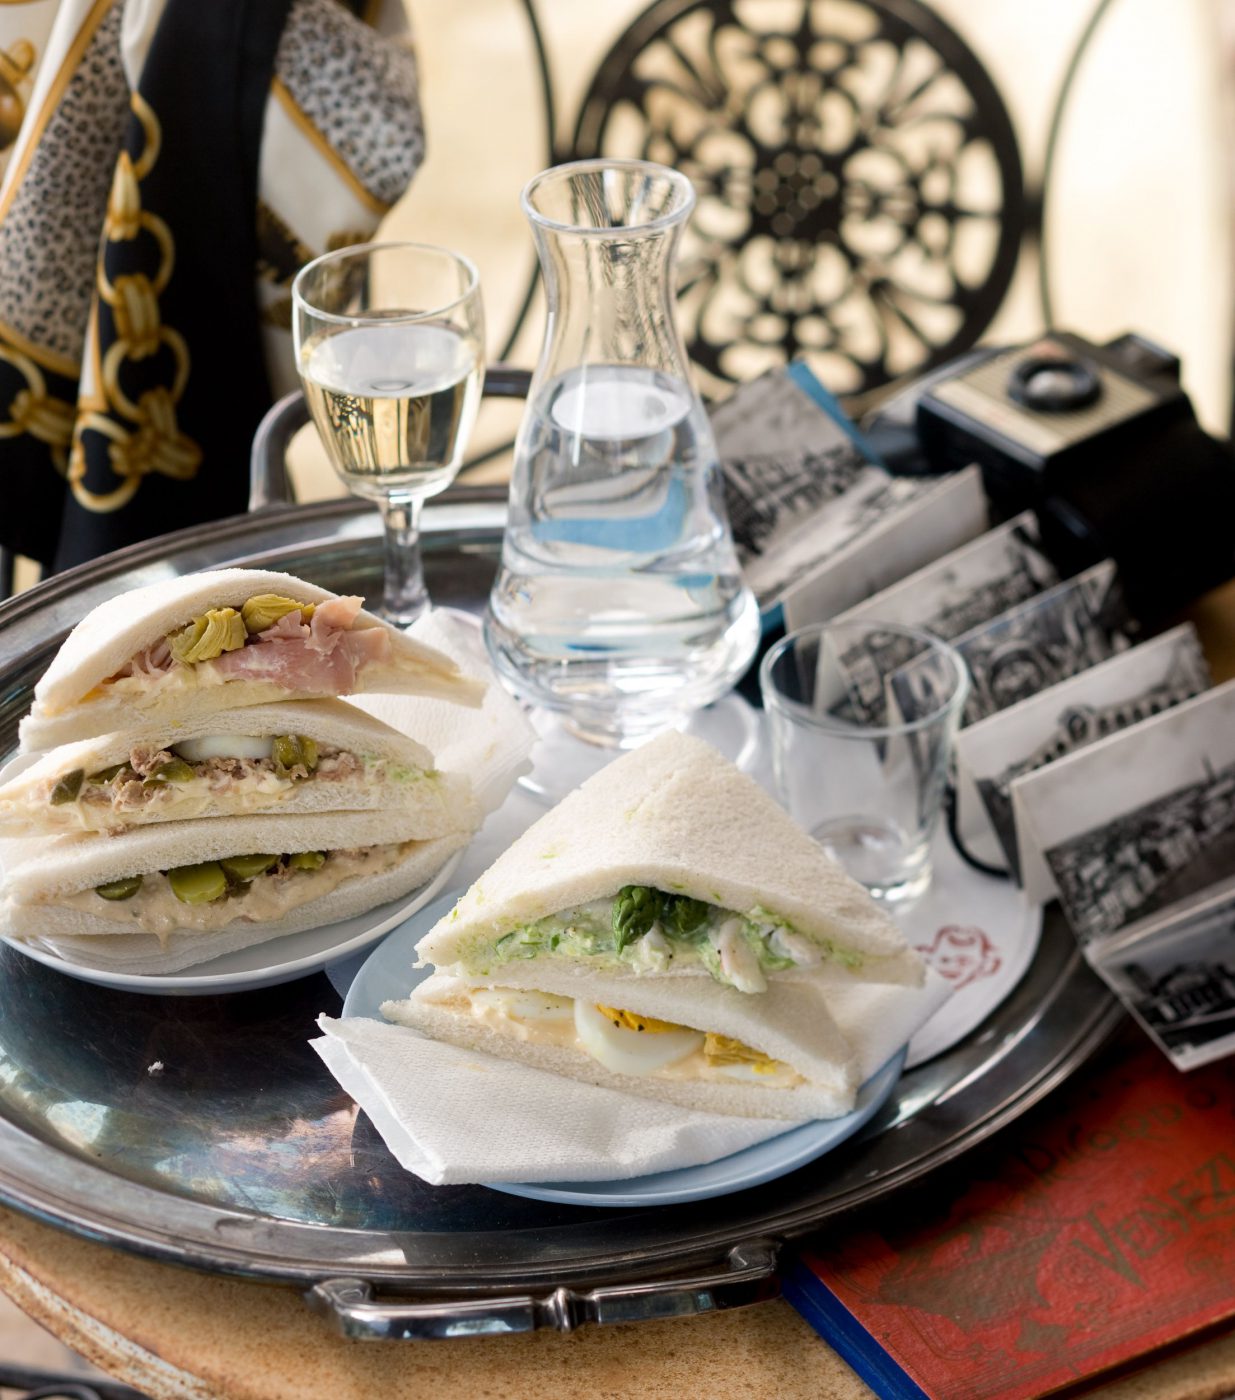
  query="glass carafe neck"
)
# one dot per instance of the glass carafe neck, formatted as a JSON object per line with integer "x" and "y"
{"x": 607, "y": 234}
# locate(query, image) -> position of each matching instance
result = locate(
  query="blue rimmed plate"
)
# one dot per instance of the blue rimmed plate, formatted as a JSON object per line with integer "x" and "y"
{"x": 388, "y": 973}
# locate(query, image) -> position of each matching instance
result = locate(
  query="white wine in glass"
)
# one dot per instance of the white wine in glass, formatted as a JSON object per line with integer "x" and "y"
{"x": 389, "y": 344}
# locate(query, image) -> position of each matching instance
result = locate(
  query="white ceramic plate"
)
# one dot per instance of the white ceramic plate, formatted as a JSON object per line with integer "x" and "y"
{"x": 388, "y": 972}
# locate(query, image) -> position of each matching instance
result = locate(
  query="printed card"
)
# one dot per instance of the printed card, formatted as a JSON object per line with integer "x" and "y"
{"x": 1027, "y": 649}
{"x": 968, "y": 587}
{"x": 865, "y": 541}
{"x": 1136, "y": 824}
{"x": 1178, "y": 979}
{"x": 783, "y": 457}
{"x": 1111, "y": 696}
{"x": 1045, "y": 640}
{"x": 792, "y": 555}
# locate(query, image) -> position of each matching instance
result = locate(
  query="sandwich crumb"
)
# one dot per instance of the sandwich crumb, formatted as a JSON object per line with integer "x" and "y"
{"x": 155, "y": 1069}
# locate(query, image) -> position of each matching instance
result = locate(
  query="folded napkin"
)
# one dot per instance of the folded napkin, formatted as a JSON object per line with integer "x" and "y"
{"x": 453, "y": 1116}
{"x": 493, "y": 744}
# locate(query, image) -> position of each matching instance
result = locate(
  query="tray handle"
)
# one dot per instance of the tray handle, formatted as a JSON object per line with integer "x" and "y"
{"x": 749, "y": 1276}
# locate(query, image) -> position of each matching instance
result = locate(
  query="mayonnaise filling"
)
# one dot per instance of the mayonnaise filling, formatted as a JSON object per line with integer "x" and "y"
{"x": 735, "y": 949}
{"x": 229, "y": 788}
{"x": 268, "y": 898}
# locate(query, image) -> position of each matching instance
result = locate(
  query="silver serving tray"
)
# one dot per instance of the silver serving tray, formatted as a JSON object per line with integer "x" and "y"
{"x": 244, "y": 1157}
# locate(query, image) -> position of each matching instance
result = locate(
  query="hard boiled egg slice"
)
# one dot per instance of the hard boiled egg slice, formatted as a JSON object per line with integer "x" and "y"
{"x": 224, "y": 746}
{"x": 626, "y": 1051}
{"x": 519, "y": 1005}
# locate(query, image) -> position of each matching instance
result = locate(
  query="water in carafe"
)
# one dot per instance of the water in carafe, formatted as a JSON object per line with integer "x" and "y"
{"x": 619, "y": 602}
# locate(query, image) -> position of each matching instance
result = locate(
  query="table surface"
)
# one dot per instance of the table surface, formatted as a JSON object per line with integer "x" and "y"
{"x": 174, "y": 1333}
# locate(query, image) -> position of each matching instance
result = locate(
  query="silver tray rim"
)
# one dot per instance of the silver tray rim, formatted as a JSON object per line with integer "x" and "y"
{"x": 1060, "y": 1012}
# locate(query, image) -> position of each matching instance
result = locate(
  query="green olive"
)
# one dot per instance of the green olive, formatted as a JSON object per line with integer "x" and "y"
{"x": 285, "y": 751}
{"x": 265, "y": 610}
{"x": 175, "y": 770}
{"x": 68, "y": 787}
{"x": 120, "y": 889}
{"x": 308, "y": 748}
{"x": 246, "y": 868}
{"x": 105, "y": 775}
{"x": 306, "y": 860}
{"x": 198, "y": 884}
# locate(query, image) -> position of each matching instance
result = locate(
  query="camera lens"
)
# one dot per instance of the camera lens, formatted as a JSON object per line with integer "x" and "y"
{"x": 1048, "y": 385}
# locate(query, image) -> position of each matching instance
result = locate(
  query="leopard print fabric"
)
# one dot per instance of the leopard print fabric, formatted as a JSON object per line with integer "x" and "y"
{"x": 359, "y": 90}
{"x": 49, "y": 236}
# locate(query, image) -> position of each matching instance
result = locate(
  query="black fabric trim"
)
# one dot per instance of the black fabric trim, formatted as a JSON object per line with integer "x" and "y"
{"x": 206, "y": 78}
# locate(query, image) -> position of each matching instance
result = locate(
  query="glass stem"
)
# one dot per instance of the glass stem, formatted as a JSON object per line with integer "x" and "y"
{"x": 405, "y": 596}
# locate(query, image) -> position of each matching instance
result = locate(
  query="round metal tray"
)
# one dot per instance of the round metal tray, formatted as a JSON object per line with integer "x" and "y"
{"x": 242, "y": 1155}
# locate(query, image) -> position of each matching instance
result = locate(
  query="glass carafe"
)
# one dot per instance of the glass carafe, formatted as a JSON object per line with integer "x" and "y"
{"x": 619, "y": 607}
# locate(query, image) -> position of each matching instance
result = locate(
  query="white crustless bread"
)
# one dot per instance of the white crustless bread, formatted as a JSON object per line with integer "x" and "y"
{"x": 790, "y": 1022}
{"x": 141, "y": 953}
{"x": 676, "y": 815}
{"x": 38, "y": 872}
{"x": 445, "y": 799}
{"x": 109, "y": 637}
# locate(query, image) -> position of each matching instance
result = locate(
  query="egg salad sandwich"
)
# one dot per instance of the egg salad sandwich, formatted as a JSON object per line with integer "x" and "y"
{"x": 292, "y": 758}
{"x": 669, "y": 863}
{"x": 192, "y": 646}
{"x": 266, "y": 875}
{"x": 687, "y": 1041}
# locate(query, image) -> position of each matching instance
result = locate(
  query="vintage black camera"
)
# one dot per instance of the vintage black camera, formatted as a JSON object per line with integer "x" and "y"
{"x": 1101, "y": 441}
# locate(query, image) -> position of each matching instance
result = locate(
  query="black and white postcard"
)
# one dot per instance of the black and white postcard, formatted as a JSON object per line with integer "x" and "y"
{"x": 1029, "y": 648}
{"x": 1136, "y": 824}
{"x": 795, "y": 554}
{"x": 783, "y": 458}
{"x": 1115, "y": 694}
{"x": 967, "y": 587}
{"x": 1045, "y": 640}
{"x": 948, "y": 598}
{"x": 866, "y": 541}
{"x": 1178, "y": 980}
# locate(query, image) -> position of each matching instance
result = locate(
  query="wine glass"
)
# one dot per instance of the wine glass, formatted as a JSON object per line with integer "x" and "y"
{"x": 390, "y": 346}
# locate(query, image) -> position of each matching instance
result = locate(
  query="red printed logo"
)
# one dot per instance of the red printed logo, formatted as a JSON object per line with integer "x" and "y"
{"x": 962, "y": 953}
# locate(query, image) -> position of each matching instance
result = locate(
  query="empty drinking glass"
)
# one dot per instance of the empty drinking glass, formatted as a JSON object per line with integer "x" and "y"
{"x": 862, "y": 717}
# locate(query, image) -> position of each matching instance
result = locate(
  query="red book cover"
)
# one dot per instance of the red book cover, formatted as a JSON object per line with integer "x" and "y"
{"x": 1100, "y": 1227}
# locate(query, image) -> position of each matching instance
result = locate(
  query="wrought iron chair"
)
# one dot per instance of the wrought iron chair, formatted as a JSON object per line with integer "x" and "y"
{"x": 861, "y": 195}
{"x": 861, "y": 199}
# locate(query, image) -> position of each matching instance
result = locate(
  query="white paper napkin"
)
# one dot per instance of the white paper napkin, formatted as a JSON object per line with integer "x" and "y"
{"x": 492, "y": 744}
{"x": 453, "y": 1116}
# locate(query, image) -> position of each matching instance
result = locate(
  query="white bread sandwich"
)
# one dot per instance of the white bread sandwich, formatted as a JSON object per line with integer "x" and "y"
{"x": 215, "y": 641}
{"x": 298, "y": 757}
{"x": 270, "y": 875}
{"x": 690, "y": 1042}
{"x": 669, "y": 861}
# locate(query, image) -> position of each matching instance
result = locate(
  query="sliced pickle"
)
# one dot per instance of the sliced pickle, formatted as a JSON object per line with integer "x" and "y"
{"x": 105, "y": 775}
{"x": 175, "y": 770}
{"x": 120, "y": 889}
{"x": 68, "y": 787}
{"x": 198, "y": 884}
{"x": 246, "y": 868}
{"x": 306, "y": 860}
{"x": 219, "y": 630}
